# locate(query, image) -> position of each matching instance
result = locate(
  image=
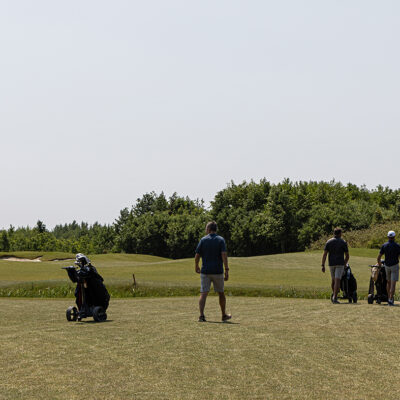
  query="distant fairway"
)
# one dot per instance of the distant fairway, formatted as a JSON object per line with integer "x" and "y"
{"x": 288, "y": 275}
{"x": 155, "y": 349}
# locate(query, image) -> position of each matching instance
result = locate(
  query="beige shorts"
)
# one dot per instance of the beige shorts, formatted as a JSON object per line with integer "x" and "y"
{"x": 216, "y": 279}
{"x": 336, "y": 271}
{"x": 392, "y": 273}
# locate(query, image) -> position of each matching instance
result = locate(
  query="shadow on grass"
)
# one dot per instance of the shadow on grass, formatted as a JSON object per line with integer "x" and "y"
{"x": 221, "y": 322}
{"x": 92, "y": 321}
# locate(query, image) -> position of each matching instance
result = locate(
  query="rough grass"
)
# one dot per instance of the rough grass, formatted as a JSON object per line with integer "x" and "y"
{"x": 372, "y": 237}
{"x": 155, "y": 349}
{"x": 282, "y": 275}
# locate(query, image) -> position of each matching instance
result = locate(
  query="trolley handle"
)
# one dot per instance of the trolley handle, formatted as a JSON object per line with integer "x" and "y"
{"x": 69, "y": 267}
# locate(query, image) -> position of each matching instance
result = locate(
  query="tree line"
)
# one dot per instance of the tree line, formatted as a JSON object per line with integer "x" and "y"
{"x": 255, "y": 218}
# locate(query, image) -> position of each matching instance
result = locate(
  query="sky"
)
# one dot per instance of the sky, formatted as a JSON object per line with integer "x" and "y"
{"x": 101, "y": 102}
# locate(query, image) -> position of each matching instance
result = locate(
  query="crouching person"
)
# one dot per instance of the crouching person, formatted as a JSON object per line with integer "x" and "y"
{"x": 212, "y": 250}
{"x": 338, "y": 258}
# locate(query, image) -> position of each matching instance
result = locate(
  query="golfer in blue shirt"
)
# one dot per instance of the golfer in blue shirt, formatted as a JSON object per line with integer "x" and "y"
{"x": 212, "y": 250}
{"x": 391, "y": 250}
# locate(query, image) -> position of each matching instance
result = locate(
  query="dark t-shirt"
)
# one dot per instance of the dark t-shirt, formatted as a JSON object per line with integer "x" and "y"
{"x": 336, "y": 248}
{"x": 391, "y": 250}
{"x": 210, "y": 248}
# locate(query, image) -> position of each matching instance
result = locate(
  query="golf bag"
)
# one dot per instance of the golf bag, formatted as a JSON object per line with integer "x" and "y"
{"x": 92, "y": 297}
{"x": 91, "y": 283}
{"x": 348, "y": 285}
{"x": 377, "y": 281}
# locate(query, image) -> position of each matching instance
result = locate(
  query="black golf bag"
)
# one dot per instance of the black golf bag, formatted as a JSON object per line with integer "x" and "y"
{"x": 348, "y": 285}
{"x": 377, "y": 281}
{"x": 92, "y": 297}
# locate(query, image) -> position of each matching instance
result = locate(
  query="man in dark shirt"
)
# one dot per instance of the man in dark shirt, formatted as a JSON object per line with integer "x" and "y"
{"x": 337, "y": 250}
{"x": 391, "y": 250}
{"x": 212, "y": 250}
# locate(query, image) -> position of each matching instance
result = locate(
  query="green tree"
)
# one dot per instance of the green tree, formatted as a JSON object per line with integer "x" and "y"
{"x": 4, "y": 242}
{"x": 41, "y": 227}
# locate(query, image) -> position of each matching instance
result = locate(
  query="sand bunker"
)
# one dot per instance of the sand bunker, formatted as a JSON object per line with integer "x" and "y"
{"x": 6, "y": 258}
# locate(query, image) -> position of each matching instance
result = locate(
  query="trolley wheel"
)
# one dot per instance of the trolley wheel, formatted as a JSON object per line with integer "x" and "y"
{"x": 99, "y": 314}
{"x": 72, "y": 314}
{"x": 370, "y": 298}
{"x": 371, "y": 286}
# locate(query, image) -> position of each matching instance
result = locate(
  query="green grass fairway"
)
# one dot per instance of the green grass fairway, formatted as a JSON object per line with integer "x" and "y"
{"x": 155, "y": 349}
{"x": 291, "y": 274}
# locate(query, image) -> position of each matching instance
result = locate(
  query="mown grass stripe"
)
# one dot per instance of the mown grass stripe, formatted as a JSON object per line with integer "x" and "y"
{"x": 127, "y": 291}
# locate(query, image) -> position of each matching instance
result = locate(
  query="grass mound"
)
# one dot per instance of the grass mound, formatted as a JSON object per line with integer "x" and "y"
{"x": 371, "y": 238}
{"x": 32, "y": 255}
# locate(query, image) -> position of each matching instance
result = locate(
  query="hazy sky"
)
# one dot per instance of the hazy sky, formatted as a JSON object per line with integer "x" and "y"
{"x": 103, "y": 101}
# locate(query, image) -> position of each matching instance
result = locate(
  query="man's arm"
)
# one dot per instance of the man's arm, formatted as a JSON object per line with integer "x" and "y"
{"x": 324, "y": 260}
{"x": 346, "y": 259}
{"x": 224, "y": 255}
{"x": 196, "y": 263}
{"x": 381, "y": 253}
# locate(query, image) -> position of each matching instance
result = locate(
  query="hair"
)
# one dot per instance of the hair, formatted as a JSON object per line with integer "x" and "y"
{"x": 337, "y": 231}
{"x": 211, "y": 226}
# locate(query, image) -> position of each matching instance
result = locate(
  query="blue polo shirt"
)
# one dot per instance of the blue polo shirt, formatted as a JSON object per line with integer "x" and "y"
{"x": 391, "y": 250}
{"x": 210, "y": 248}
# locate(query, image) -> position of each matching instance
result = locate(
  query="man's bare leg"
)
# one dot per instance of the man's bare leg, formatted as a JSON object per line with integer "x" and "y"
{"x": 392, "y": 289}
{"x": 202, "y": 302}
{"x": 222, "y": 302}
{"x": 336, "y": 288}
{"x": 388, "y": 289}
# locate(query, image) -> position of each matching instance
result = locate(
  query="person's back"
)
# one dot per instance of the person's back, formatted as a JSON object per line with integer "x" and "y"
{"x": 210, "y": 249}
{"x": 391, "y": 250}
{"x": 336, "y": 248}
{"x": 338, "y": 257}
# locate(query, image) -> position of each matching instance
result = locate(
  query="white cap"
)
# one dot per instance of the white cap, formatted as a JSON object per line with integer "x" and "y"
{"x": 391, "y": 234}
